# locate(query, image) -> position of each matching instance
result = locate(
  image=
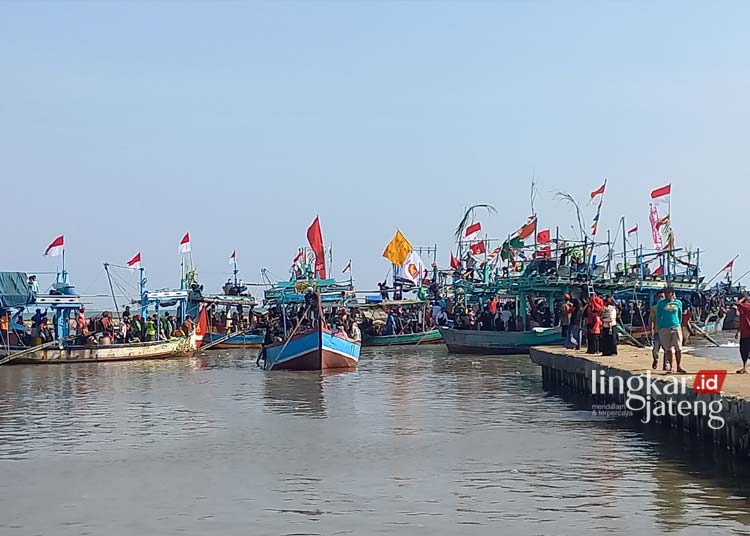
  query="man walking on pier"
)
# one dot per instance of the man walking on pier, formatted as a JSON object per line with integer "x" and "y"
{"x": 743, "y": 310}
{"x": 669, "y": 322}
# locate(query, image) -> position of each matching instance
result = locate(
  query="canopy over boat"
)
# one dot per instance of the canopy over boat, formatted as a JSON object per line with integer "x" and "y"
{"x": 14, "y": 290}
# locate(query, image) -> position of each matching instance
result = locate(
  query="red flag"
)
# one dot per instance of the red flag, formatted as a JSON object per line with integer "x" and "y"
{"x": 300, "y": 256}
{"x": 729, "y": 265}
{"x": 56, "y": 247}
{"x": 315, "y": 238}
{"x": 455, "y": 263}
{"x": 662, "y": 222}
{"x": 661, "y": 192}
{"x": 598, "y": 191}
{"x": 200, "y": 327}
{"x": 185, "y": 244}
{"x": 658, "y": 271}
{"x": 472, "y": 231}
{"x": 545, "y": 252}
{"x": 633, "y": 230}
{"x": 478, "y": 248}
{"x": 135, "y": 262}
{"x": 543, "y": 237}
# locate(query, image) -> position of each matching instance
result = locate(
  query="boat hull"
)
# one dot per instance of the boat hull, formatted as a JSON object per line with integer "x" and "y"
{"x": 314, "y": 350}
{"x": 112, "y": 352}
{"x": 428, "y": 337}
{"x": 461, "y": 341}
{"x": 238, "y": 342}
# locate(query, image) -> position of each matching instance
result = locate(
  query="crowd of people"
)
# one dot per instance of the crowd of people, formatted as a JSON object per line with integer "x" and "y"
{"x": 295, "y": 319}
{"x": 131, "y": 328}
{"x": 590, "y": 321}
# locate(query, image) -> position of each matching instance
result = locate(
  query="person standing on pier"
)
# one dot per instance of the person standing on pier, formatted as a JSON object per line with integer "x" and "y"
{"x": 669, "y": 322}
{"x": 743, "y": 331}
{"x": 609, "y": 331}
{"x": 655, "y": 334}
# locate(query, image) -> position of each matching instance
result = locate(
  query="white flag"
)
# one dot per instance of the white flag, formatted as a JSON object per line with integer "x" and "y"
{"x": 413, "y": 268}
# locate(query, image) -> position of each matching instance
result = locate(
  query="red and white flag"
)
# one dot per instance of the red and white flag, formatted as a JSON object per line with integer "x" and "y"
{"x": 472, "y": 231}
{"x": 478, "y": 248}
{"x": 300, "y": 256}
{"x": 729, "y": 265}
{"x": 661, "y": 195}
{"x": 185, "y": 244}
{"x": 599, "y": 191}
{"x": 233, "y": 257}
{"x": 135, "y": 262}
{"x": 56, "y": 247}
{"x": 633, "y": 230}
{"x": 347, "y": 268}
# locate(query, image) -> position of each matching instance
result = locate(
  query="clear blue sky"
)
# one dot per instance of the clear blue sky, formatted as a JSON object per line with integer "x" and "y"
{"x": 126, "y": 124}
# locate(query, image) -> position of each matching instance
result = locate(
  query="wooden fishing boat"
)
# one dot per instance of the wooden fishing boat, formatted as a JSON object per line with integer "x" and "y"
{"x": 427, "y": 337}
{"x": 178, "y": 347}
{"x": 471, "y": 341}
{"x": 242, "y": 340}
{"x": 315, "y": 349}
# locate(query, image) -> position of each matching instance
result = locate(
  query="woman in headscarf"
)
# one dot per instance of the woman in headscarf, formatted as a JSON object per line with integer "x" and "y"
{"x": 609, "y": 328}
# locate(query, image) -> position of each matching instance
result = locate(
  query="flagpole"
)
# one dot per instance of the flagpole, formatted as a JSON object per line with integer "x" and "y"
{"x": 722, "y": 270}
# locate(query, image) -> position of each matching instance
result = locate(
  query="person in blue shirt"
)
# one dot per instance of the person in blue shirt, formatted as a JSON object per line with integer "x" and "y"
{"x": 669, "y": 325}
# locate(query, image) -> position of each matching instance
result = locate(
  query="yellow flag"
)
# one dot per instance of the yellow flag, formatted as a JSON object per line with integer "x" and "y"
{"x": 397, "y": 249}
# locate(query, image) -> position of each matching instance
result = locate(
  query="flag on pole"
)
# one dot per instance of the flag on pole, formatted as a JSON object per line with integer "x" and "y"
{"x": 135, "y": 262}
{"x": 455, "y": 263}
{"x": 661, "y": 194}
{"x": 599, "y": 191}
{"x": 233, "y": 257}
{"x": 412, "y": 268}
{"x": 315, "y": 238}
{"x": 633, "y": 230}
{"x": 595, "y": 224}
{"x": 528, "y": 229}
{"x": 659, "y": 270}
{"x": 729, "y": 265}
{"x": 543, "y": 236}
{"x": 472, "y": 231}
{"x": 56, "y": 247}
{"x": 653, "y": 218}
{"x": 398, "y": 249}
{"x": 478, "y": 248}
{"x": 662, "y": 222}
{"x": 347, "y": 268}
{"x": 184, "y": 246}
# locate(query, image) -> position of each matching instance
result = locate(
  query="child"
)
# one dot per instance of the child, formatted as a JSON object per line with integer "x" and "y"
{"x": 596, "y": 332}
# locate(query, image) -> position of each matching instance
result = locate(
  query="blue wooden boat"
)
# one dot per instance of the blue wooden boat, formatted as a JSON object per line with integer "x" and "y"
{"x": 242, "y": 340}
{"x": 472, "y": 341}
{"x": 315, "y": 349}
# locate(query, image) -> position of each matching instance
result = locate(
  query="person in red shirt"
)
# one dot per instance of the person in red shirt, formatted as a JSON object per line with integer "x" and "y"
{"x": 595, "y": 334}
{"x": 743, "y": 310}
{"x": 492, "y": 305}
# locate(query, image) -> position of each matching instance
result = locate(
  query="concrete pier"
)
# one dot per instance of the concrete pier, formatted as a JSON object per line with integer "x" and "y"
{"x": 697, "y": 415}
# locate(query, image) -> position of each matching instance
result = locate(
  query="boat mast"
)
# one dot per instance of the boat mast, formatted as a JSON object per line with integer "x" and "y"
{"x": 142, "y": 287}
{"x": 112, "y": 290}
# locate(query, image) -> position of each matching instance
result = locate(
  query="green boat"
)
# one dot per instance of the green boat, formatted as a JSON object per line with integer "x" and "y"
{"x": 372, "y": 318}
{"x": 428, "y": 337}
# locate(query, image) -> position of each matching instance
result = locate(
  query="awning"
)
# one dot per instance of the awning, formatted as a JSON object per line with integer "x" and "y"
{"x": 14, "y": 290}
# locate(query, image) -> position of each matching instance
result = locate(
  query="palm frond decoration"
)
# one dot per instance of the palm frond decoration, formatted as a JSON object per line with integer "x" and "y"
{"x": 469, "y": 218}
{"x": 571, "y": 200}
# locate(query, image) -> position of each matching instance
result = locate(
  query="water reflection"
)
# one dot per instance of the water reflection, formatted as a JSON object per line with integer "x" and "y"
{"x": 414, "y": 441}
